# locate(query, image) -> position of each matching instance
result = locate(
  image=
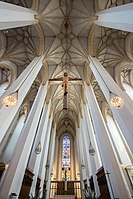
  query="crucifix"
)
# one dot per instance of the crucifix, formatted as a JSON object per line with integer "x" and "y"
{"x": 65, "y": 83}
{"x": 65, "y": 80}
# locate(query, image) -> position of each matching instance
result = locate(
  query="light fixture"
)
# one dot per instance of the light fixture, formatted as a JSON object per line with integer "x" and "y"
{"x": 10, "y": 100}
{"x": 38, "y": 148}
{"x": 91, "y": 150}
{"x": 5, "y": 31}
{"x": 116, "y": 101}
{"x": 122, "y": 166}
{"x": 6, "y": 166}
{"x": 78, "y": 176}
{"x": 13, "y": 195}
{"x": 82, "y": 165}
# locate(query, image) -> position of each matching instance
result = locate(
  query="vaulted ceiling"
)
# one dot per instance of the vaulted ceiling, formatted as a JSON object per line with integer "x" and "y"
{"x": 66, "y": 34}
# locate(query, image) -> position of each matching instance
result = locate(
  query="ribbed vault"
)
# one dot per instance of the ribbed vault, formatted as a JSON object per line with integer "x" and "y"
{"x": 66, "y": 25}
{"x": 66, "y": 35}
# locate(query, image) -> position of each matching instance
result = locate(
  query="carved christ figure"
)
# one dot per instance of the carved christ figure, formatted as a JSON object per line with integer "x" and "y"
{"x": 65, "y": 80}
{"x": 65, "y": 83}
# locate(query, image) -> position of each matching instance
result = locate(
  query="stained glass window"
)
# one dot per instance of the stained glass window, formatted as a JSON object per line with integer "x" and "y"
{"x": 66, "y": 157}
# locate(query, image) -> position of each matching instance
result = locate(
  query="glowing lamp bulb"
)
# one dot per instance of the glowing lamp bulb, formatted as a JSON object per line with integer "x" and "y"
{"x": 116, "y": 101}
{"x": 10, "y": 100}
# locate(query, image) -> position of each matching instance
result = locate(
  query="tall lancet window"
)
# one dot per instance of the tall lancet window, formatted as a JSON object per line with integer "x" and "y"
{"x": 66, "y": 158}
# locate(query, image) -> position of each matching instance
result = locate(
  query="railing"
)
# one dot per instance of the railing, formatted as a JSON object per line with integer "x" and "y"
{"x": 63, "y": 188}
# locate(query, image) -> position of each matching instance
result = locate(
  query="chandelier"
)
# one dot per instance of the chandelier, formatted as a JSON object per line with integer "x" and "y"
{"x": 10, "y": 100}
{"x": 116, "y": 101}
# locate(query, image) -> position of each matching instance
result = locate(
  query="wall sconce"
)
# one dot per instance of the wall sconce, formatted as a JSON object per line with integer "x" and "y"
{"x": 6, "y": 166}
{"x": 82, "y": 164}
{"x": 91, "y": 150}
{"x": 122, "y": 166}
{"x": 13, "y": 195}
{"x": 116, "y": 101}
{"x": 38, "y": 148}
{"x": 10, "y": 100}
{"x": 52, "y": 175}
{"x": 78, "y": 176}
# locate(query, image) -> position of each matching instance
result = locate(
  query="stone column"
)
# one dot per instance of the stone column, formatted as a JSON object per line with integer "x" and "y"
{"x": 92, "y": 136}
{"x": 80, "y": 161}
{"x": 120, "y": 17}
{"x": 89, "y": 139}
{"x": 76, "y": 161}
{"x": 21, "y": 85}
{"x": 59, "y": 163}
{"x": 55, "y": 166}
{"x": 12, "y": 181}
{"x": 122, "y": 115}
{"x": 72, "y": 159}
{"x": 110, "y": 162}
{"x": 8, "y": 135}
{"x": 42, "y": 169}
{"x": 85, "y": 147}
{"x": 81, "y": 151}
{"x": 13, "y": 16}
{"x": 10, "y": 145}
{"x": 50, "y": 161}
{"x": 35, "y": 159}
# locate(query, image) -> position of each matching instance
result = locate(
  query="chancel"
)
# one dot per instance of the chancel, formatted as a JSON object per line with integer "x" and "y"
{"x": 66, "y": 99}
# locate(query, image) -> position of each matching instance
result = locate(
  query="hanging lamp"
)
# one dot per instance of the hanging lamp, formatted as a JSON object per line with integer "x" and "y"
{"x": 116, "y": 101}
{"x": 10, "y": 100}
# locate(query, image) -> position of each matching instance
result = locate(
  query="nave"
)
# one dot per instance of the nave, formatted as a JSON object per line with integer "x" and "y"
{"x": 66, "y": 99}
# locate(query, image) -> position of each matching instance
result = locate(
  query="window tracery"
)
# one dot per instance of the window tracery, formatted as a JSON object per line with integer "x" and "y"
{"x": 66, "y": 157}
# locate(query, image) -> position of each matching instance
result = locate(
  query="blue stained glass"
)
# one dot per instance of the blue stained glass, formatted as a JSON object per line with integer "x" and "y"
{"x": 66, "y": 152}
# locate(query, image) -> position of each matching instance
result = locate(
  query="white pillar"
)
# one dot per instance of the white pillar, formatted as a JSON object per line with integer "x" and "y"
{"x": 44, "y": 158}
{"x": 13, "y": 16}
{"x": 22, "y": 84}
{"x": 96, "y": 186}
{"x": 78, "y": 153}
{"x": 72, "y": 158}
{"x": 123, "y": 115}
{"x": 81, "y": 151}
{"x": 7, "y": 137}
{"x": 120, "y": 17}
{"x": 59, "y": 163}
{"x": 110, "y": 163}
{"x": 81, "y": 160}
{"x": 50, "y": 161}
{"x": 35, "y": 160}
{"x": 10, "y": 145}
{"x": 89, "y": 139}
{"x": 85, "y": 147}
{"x": 12, "y": 181}
{"x": 55, "y": 166}
{"x": 92, "y": 136}
{"x": 76, "y": 161}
